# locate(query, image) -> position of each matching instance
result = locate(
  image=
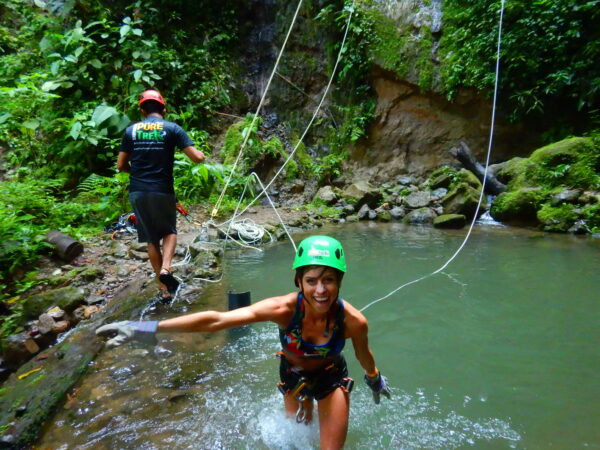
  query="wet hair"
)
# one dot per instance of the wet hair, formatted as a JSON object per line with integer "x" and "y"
{"x": 300, "y": 271}
{"x": 152, "y": 106}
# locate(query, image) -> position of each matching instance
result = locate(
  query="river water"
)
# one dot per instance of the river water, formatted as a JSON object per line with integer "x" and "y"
{"x": 499, "y": 351}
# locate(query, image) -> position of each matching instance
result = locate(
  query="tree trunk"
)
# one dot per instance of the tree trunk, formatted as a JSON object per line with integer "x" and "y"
{"x": 466, "y": 158}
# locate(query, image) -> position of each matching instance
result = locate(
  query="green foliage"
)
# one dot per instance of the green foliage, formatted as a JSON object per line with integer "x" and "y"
{"x": 549, "y": 54}
{"x": 195, "y": 182}
{"x": 328, "y": 167}
{"x": 241, "y": 133}
{"x": 105, "y": 198}
{"x": 256, "y": 152}
{"x": 32, "y": 207}
{"x": 70, "y": 80}
{"x": 354, "y": 105}
{"x": 22, "y": 211}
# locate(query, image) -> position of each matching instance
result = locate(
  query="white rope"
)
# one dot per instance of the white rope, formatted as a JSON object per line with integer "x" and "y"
{"x": 487, "y": 163}
{"x": 314, "y": 116}
{"x": 249, "y": 132}
{"x": 236, "y": 214}
{"x": 248, "y": 231}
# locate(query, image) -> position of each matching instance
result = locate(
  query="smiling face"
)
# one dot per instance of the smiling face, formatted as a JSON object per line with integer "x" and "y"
{"x": 320, "y": 286}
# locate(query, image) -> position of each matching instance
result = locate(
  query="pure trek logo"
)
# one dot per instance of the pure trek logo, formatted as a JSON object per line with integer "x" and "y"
{"x": 149, "y": 131}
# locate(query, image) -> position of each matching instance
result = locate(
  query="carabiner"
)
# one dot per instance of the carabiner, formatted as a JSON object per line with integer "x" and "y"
{"x": 301, "y": 412}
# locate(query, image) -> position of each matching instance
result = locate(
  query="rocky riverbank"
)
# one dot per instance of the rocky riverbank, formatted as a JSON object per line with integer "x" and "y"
{"x": 110, "y": 281}
{"x": 556, "y": 189}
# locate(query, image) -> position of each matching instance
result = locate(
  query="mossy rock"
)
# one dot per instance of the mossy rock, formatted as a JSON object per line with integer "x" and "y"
{"x": 66, "y": 298}
{"x": 462, "y": 199}
{"x": 519, "y": 207}
{"x": 79, "y": 274}
{"x": 517, "y": 173}
{"x": 452, "y": 221}
{"x": 466, "y": 176}
{"x": 566, "y": 151}
{"x": 234, "y": 138}
{"x": 557, "y": 218}
{"x": 384, "y": 216}
{"x": 420, "y": 216}
{"x": 571, "y": 162}
{"x": 442, "y": 177}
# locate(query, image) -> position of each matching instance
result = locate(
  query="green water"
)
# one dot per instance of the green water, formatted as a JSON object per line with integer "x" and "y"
{"x": 500, "y": 351}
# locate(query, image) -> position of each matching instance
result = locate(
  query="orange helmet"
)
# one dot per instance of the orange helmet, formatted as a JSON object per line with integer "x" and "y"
{"x": 151, "y": 94}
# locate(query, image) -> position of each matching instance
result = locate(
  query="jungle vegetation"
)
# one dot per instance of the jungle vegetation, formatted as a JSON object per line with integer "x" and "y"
{"x": 71, "y": 72}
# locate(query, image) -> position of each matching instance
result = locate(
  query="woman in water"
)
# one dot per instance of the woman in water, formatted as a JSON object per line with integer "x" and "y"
{"x": 314, "y": 324}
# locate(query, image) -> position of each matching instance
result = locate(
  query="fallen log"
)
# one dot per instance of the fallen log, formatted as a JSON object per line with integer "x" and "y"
{"x": 465, "y": 157}
{"x": 66, "y": 247}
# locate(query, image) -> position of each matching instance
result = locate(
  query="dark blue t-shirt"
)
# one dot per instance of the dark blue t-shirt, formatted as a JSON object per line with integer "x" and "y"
{"x": 151, "y": 146}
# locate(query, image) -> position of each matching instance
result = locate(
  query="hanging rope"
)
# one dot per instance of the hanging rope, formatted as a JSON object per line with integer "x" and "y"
{"x": 487, "y": 163}
{"x": 260, "y": 104}
{"x": 314, "y": 116}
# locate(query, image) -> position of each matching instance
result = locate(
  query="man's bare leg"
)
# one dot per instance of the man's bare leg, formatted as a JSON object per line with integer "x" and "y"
{"x": 169, "y": 244}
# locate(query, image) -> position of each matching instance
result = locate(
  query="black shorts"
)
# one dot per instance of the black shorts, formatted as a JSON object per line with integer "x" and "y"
{"x": 320, "y": 383}
{"x": 155, "y": 213}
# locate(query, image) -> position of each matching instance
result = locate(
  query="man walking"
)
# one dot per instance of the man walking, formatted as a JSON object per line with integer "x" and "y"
{"x": 148, "y": 153}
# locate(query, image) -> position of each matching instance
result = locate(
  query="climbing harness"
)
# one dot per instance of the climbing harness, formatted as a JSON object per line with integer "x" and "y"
{"x": 487, "y": 164}
{"x": 301, "y": 397}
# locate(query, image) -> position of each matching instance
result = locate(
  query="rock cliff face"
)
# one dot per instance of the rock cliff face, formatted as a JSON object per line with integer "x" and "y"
{"x": 413, "y": 131}
{"x": 414, "y": 127}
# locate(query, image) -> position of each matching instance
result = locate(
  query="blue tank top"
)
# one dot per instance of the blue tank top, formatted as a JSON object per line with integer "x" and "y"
{"x": 291, "y": 337}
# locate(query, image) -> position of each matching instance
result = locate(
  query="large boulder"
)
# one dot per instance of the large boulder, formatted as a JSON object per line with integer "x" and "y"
{"x": 326, "y": 195}
{"x": 518, "y": 207}
{"x": 557, "y": 218}
{"x": 462, "y": 199}
{"x": 420, "y": 216}
{"x": 570, "y": 162}
{"x": 418, "y": 199}
{"x": 363, "y": 193}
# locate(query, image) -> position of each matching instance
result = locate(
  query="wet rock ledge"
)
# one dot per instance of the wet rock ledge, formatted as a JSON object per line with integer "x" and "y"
{"x": 31, "y": 394}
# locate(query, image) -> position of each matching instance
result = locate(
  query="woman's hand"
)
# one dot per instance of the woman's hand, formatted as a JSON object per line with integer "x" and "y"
{"x": 379, "y": 386}
{"x": 121, "y": 332}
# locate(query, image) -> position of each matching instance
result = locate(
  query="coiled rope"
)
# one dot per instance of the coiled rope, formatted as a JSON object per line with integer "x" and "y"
{"x": 487, "y": 163}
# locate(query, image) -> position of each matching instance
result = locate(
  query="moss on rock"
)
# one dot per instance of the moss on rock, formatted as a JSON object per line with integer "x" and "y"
{"x": 455, "y": 221}
{"x": 518, "y": 206}
{"x": 571, "y": 162}
{"x": 67, "y": 298}
{"x": 462, "y": 199}
{"x": 538, "y": 186}
{"x": 557, "y": 218}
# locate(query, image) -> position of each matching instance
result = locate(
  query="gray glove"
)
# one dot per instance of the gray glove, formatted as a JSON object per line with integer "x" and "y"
{"x": 121, "y": 332}
{"x": 378, "y": 385}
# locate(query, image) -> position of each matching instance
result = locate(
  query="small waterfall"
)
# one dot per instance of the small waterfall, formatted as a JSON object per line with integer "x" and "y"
{"x": 486, "y": 218}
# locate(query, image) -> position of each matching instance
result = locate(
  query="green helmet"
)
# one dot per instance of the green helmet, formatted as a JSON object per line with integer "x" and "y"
{"x": 320, "y": 251}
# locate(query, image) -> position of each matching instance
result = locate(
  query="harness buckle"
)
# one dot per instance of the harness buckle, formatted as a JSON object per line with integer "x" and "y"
{"x": 297, "y": 391}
